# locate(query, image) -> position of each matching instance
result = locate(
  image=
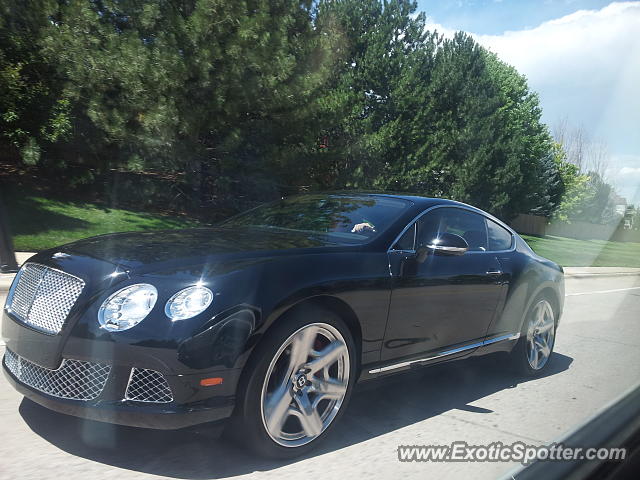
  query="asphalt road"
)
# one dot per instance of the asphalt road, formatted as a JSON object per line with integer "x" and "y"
{"x": 597, "y": 358}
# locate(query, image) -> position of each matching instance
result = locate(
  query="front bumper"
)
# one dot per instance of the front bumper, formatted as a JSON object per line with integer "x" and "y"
{"x": 189, "y": 403}
{"x": 111, "y": 407}
{"x": 58, "y": 367}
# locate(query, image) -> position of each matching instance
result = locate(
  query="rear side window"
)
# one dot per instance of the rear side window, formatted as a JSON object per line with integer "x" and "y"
{"x": 499, "y": 237}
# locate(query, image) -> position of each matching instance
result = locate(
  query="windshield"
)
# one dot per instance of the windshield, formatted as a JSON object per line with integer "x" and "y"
{"x": 347, "y": 217}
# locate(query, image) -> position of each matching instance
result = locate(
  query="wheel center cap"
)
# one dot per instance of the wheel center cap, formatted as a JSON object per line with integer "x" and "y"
{"x": 300, "y": 381}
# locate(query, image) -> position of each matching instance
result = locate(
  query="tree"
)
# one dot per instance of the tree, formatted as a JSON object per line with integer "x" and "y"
{"x": 576, "y": 188}
{"x": 584, "y": 162}
{"x": 210, "y": 88}
{"x": 581, "y": 149}
{"x": 363, "y": 106}
{"x": 249, "y": 99}
{"x": 429, "y": 115}
{"x": 34, "y": 114}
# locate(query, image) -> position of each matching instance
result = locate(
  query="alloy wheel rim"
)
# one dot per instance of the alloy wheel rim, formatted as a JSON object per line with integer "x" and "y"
{"x": 540, "y": 335}
{"x": 305, "y": 385}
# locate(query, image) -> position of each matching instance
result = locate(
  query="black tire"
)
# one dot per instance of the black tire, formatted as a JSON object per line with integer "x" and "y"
{"x": 520, "y": 354}
{"x": 247, "y": 425}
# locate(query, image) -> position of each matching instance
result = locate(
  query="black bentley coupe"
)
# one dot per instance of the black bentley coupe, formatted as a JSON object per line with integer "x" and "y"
{"x": 268, "y": 319}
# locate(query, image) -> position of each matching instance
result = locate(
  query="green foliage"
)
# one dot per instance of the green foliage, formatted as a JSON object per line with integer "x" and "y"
{"x": 598, "y": 206}
{"x": 244, "y": 100}
{"x": 587, "y": 196}
{"x": 575, "y": 186}
{"x": 31, "y": 112}
{"x": 411, "y": 111}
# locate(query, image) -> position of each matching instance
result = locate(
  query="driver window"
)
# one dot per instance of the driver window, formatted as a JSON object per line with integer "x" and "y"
{"x": 468, "y": 225}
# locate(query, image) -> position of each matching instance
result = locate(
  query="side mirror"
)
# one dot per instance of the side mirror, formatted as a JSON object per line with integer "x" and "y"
{"x": 443, "y": 244}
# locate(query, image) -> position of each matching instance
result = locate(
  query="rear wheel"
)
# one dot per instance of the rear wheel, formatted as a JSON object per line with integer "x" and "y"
{"x": 531, "y": 354}
{"x": 299, "y": 383}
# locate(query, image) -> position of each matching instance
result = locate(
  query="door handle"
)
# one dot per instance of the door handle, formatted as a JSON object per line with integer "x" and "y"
{"x": 494, "y": 272}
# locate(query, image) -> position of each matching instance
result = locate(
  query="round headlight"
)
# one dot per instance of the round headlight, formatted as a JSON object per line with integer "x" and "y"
{"x": 127, "y": 307}
{"x": 188, "y": 303}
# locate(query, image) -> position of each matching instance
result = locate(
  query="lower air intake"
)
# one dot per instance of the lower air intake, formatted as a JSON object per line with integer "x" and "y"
{"x": 73, "y": 379}
{"x": 148, "y": 386}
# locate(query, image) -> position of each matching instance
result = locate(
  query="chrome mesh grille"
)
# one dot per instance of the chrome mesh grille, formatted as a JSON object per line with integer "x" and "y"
{"x": 74, "y": 379}
{"x": 44, "y": 296}
{"x": 28, "y": 281}
{"x": 148, "y": 386}
{"x": 12, "y": 361}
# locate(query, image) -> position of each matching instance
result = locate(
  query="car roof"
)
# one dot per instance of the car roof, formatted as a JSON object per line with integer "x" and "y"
{"x": 419, "y": 200}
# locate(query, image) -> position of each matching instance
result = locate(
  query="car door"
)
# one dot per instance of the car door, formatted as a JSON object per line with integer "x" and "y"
{"x": 446, "y": 301}
{"x": 501, "y": 243}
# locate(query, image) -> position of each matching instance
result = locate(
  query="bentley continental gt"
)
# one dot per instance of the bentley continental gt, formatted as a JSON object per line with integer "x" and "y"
{"x": 266, "y": 321}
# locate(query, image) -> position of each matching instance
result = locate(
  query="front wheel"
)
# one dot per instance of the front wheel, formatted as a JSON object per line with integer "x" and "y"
{"x": 531, "y": 354}
{"x": 299, "y": 383}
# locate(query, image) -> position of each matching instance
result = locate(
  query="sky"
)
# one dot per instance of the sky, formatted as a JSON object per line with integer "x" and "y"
{"x": 581, "y": 56}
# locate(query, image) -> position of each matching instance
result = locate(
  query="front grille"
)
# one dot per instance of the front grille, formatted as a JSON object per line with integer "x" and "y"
{"x": 74, "y": 379}
{"x": 44, "y": 296}
{"x": 148, "y": 386}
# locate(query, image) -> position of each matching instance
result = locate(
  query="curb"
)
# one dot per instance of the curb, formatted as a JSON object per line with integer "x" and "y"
{"x": 7, "y": 278}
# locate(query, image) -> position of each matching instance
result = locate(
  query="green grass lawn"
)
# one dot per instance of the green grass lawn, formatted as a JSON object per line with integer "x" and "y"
{"x": 569, "y": 252}
{"x": 38, "y": 223}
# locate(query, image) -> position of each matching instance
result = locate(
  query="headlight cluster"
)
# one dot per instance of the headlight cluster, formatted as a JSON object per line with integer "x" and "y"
{"x": 188, "y": 303}
{"x": 130, "y": 305}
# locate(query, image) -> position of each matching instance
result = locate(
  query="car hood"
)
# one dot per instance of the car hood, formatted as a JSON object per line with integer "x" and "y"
{"x": 146, "y": 250}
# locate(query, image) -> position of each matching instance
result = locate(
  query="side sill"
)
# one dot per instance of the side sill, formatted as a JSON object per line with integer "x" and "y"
{"x": 502, "y": 338}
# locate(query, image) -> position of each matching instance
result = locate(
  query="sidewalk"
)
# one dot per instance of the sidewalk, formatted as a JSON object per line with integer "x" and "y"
{"x": 7, "y": 278}
{"x": 569, "y": 272}
{"x": 585, "y": 272}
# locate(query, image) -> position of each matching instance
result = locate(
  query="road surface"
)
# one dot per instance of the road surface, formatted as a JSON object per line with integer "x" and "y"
{"x": 597, "y": 358}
